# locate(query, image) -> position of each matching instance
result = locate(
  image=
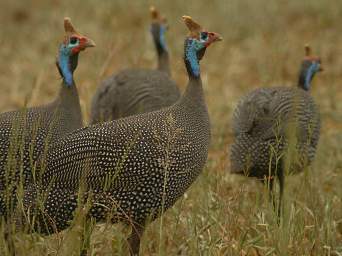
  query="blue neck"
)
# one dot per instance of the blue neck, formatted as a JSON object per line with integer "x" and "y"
{"x": 64, "y": 64}
{"x": 162, "y": 38}
{"x": 306, "y": 75}
{"x": 191, "y": 60}
{"x": 309, "y": 75}
{"x": 158, "y": 34}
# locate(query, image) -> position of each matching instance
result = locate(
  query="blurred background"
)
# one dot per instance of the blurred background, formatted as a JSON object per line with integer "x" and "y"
{"x": 263, "y": 46}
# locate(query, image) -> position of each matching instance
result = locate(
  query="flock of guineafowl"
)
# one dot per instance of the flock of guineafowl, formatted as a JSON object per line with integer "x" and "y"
{"x": 146, "y": 143}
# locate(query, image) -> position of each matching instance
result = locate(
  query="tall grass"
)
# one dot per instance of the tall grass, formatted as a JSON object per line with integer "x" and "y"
{"x": 221, "y": 214}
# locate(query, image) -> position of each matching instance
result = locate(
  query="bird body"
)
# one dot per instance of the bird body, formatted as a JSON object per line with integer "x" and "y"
{"x": 264, "y": 122}
{"x": 127, "y": 161}
{"x": 136, "y": 91}
{"x": 26, "y": 134}
{"x": 276, "y": 130}
{"x": 133, "y": 91}
{"x": 131, "y": 169}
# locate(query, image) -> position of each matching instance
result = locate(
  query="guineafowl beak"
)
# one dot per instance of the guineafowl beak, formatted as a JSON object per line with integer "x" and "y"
{"x": 89, "y": 43}
{"x": 216, "y": 37}
{"x": 213, "y": 37}
{"x": 84, "y": 42}
{"x": 320, "y": 68}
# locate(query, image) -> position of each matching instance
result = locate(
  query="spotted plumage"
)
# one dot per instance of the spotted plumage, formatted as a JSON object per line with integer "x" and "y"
{"x": 277, "y": 129}
{"x": 26, "y": 134}
{"x": 136, "y": 91}
{"x": 133, "y": 168}
{"x": 263, "y": 122}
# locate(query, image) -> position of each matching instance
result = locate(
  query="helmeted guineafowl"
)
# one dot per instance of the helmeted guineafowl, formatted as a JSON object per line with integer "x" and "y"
{"x": 133, "y": 168}
{"x": 136, "y": 91}
{"x": 25, "y": 134}
{"x": 277, "y": 129}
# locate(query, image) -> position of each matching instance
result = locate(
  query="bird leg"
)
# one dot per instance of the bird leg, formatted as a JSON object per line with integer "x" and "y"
{"x": 8, "y": 236}
{"x": 85, "y": 237}
{"x": 134, "y": 238}
{"x": 281, "y": 178}
{"x": 268, "y": 181}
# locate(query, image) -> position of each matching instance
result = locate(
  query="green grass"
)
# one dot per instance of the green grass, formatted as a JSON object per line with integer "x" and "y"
{"x": 263, "y": 43}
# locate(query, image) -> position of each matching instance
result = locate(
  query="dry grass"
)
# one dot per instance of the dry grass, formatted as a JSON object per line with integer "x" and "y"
{"x": 221, "y": 214}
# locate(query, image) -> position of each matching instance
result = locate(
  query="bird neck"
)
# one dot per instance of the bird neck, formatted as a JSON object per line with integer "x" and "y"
{"x": 68, "y": 94}
{"x": 305, "y": 77}
{"x": 68, "y": 105}
{"x": 67, "y": 64}
{"x": 161, "y": 48}
{"x": 194, "y": 89}
{"x": 191, "y": 60}
{"x": 164, "y": 62}
{"x": 68, "y": 99}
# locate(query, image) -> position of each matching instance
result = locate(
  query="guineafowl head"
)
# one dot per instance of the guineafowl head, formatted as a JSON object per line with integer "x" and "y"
{"x": 310, "y": 66}
{"x": 196, "y": 43}
{"x": 158, "y": 29}
{"x": 69, "y": 49}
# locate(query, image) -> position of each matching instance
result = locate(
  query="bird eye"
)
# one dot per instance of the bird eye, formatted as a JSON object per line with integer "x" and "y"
{"x": 73, "y": 40}
{"x": 204, "y": 35}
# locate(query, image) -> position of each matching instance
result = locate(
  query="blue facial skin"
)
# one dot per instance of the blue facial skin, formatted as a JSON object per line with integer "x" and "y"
{"x": 311, "y": 71}
{"x": 192, "y": 47}
{"x": 65, "y": 52}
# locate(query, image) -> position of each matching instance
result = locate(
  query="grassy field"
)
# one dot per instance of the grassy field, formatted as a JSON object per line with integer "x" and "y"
{"x": 221, "y": 214}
